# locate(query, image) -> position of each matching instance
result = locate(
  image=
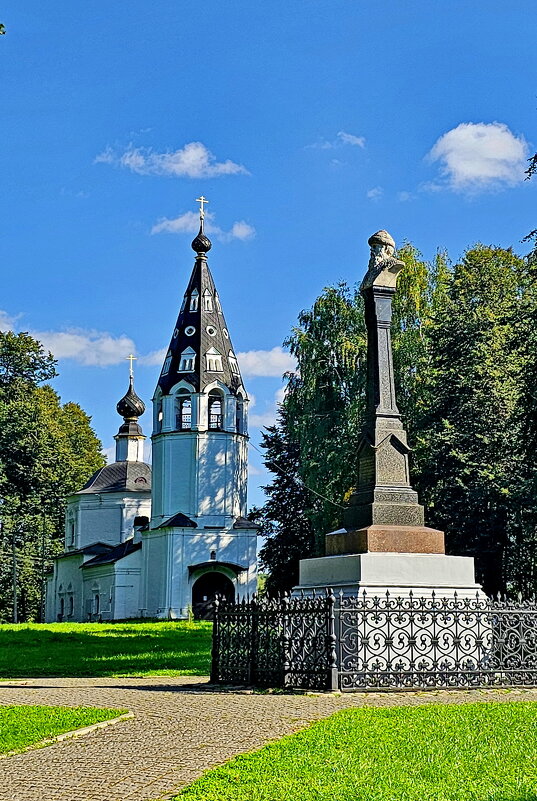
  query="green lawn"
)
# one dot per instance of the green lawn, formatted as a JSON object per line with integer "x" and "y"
{"x": 22, "y": 726}
{"x": 477, "y": 752}
{"x": 176, "y": 648}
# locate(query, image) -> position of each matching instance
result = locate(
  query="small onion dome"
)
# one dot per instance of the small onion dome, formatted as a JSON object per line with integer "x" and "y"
{"x": 381, "y": 238}
{"x": 201, "y": 244}
{"x": 130, "y": 406}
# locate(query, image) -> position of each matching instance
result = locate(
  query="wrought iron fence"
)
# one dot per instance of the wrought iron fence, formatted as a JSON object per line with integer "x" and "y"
{"x": 371, "y": 643}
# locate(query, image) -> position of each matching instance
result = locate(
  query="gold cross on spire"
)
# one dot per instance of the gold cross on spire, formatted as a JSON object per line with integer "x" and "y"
{"x": 201, "y": 200}
{"x": 130, "y": 358}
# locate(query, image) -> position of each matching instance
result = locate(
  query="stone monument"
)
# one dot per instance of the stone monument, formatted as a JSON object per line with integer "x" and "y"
{"x": 384, "y": 543}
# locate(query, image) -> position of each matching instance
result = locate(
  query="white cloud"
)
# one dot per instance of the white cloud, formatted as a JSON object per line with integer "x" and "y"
{"x": 476, "y": 157}
{"x": 154, "y": 358}
{"x": 241, "y": 230}
{"x": 375, "y": 193}
{"x": 274, "y": 362}
{"x": 188, "y": 223}
{"x": 269, "y": 415}
{"x": 404, "y": 196}
{"x": 194, "y": 160}
{"x": 110, "y": 454}
{"x": 351, "y": 139}
{"x": 7, "y": 321}
{"x": 342, "y": 138}
{"x": 90, "y": 348}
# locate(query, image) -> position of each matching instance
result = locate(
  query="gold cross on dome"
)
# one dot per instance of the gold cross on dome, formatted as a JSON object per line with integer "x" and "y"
{"x": 201, "y": 200}
{"x": 130, "y": 358}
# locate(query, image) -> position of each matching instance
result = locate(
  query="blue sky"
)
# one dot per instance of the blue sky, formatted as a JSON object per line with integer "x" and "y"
{"x": 308, "y": 125}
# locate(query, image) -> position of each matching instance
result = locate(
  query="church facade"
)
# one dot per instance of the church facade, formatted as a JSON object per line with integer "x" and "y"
{"x": 161, "y": 542}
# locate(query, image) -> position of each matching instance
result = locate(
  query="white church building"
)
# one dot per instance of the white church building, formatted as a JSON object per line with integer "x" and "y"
{"x": 161, "y": 543}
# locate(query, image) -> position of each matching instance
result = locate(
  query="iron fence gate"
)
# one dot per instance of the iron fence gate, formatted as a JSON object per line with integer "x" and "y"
{"x": 371, "y": 643}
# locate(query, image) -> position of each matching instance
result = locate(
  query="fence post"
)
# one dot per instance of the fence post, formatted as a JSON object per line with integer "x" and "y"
{"x": 215, "y": 651}
{"x": 286, "y": 640}
{"x": 332, "y": 678}
{"x": 252, "y": 613}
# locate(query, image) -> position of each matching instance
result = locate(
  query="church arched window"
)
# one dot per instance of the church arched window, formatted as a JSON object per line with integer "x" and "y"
{"x": 62, "y": 607}
{"x": 183, "y": 410}
{"x": 188, "y": 361}
{"x": 158, "y": 417}
{"x": 194, "y": 300}
{"x": 71, "y": 532}
{"x": 239, "y": 424}
{"x": 216, "y": 409}
{"x": 213, "y": 361}
{"x": 71, "y": 605}
{"x": 207, "y": 301}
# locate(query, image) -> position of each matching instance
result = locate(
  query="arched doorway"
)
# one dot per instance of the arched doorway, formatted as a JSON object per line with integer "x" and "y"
{"x": 204, "y": 590}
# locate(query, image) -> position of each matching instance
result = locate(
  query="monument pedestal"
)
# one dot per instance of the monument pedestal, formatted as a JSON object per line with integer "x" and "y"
{"x": 396, "y": 573}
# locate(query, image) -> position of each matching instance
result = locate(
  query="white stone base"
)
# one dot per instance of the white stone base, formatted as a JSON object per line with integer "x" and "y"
{"x": 397, "y": 573}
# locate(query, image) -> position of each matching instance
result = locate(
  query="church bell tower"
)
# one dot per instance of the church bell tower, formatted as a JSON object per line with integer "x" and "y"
{"x": 199, "y": 542}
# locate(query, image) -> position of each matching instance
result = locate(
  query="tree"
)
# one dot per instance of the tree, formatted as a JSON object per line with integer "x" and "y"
{"x": 468, "y": 435}
{"x": 465, "y": 356}
{"x": 325, "y": 400}
{"x": 47, "y": 451}
{"x": 283, "y": 520}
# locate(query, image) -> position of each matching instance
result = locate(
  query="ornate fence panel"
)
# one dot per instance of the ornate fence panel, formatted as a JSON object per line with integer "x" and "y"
{"x": 388, "y": 643}
{"x": 287, "y": 642}
{"x": 425, "y": 643}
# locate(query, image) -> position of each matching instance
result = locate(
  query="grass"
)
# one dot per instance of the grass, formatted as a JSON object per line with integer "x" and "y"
{"x": 474, "y": 752}
{"x": 178, "y": 648}
{"x": 24, "y": 726}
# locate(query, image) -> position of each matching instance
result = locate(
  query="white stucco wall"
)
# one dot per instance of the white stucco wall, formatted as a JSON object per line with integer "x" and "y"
{"x": 200, "y": 473}
{"x": 104, "y": 517}
{"x": 168, "y": 553}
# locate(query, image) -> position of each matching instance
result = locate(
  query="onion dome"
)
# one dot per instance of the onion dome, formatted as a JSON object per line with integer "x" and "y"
{"x": 202, "y": 243}
{"x": 130, "y": 407}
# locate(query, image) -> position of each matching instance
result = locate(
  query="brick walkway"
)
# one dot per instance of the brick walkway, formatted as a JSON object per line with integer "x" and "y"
{"x": 180, "y": 728}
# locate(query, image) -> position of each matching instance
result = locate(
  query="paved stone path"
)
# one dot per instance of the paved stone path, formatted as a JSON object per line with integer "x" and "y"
{"x": 180, "y": 729}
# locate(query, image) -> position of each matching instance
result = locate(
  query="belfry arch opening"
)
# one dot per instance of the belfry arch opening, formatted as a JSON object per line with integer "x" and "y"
{"x": 216, "y": 409}
{"x": 204, "y": 591}
{"x": 183, "y": 410}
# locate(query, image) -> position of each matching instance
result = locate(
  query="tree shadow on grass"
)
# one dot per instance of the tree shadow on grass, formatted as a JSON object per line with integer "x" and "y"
{"x": 104, "y": 650}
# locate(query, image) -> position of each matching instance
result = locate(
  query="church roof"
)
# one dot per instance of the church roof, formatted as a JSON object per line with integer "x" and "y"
{"x": 119, "y": 477}
{"x": 178, "y": 521}
{"x": 200, "y": 332}
{"x": 94, "y": 548}
{"x": 114, "y": 555}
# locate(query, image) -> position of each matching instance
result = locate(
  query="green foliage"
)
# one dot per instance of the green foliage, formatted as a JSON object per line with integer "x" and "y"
{"x": 283, "y": 519}
{"x": 25, "y": 726}
{"x": 471, "y": 752}
{"x": 325, "y": 399}
{"x": 468, "y": 435}
{"x": 465, "y": 357}
{"x": 177, "y": 648}
{"x": 47, "y": 451}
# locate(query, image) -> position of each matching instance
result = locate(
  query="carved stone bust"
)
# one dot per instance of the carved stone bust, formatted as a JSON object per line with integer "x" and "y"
{"x": 383, "y": 267}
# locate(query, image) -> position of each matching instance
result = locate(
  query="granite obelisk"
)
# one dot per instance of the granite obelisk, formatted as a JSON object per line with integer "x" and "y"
{"x": 384, "y": 513}
{"x": 383, "y": 543}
